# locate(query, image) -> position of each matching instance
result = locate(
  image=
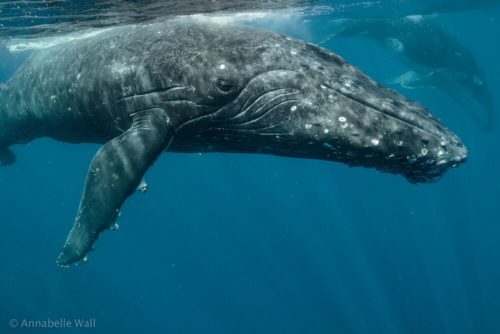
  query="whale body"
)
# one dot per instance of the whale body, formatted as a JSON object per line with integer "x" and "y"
{"x": 186, "y": 86}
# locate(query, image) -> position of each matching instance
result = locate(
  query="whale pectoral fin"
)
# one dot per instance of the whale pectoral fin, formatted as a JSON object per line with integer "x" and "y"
{"x": 114, "y": 174}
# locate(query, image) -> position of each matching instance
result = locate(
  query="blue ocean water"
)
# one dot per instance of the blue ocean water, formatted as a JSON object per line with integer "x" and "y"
{"x": 259, "y": 244}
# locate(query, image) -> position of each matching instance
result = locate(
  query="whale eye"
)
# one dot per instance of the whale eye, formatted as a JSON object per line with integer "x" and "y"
{"x": 225, "y": 85}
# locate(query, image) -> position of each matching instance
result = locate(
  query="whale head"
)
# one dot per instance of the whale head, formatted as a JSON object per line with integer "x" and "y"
{"x": 290, "y": 98}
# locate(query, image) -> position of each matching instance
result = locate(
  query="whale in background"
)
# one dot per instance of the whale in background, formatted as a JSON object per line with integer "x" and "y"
{"x": 434, "y": 59}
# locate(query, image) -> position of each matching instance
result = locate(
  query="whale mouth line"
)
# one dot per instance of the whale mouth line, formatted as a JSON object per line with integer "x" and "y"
{"x": 378, "y": 109}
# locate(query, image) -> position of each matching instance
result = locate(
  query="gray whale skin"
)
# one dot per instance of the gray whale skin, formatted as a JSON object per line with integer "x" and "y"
{"x": 190, "y": 86}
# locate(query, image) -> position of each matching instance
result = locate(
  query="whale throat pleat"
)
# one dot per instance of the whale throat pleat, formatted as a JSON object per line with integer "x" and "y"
{"x": 114, "y": 174}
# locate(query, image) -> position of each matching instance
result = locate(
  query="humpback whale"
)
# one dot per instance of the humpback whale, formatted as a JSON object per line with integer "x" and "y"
{"x": 436, "y": 59}
{"x": 186, "y": 86}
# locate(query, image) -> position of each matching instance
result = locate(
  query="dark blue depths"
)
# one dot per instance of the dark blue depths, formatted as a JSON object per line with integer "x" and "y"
{"x": 259, "y": 244}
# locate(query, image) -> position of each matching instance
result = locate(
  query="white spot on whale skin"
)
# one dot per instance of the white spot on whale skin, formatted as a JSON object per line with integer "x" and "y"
{"x": 325, "y": 131}
{"x": 375, "y": 141}
{"x": 293, "y": 108}
{"x": 328, "y": 145}
{"x": 424, "y": 151}
{"x": 342, "y": 119}
{"x": 121, "y": 69}
{"x": 308, "y": 126}
{"x": 222, "y": 66}
{"x": 411, "y": 159}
